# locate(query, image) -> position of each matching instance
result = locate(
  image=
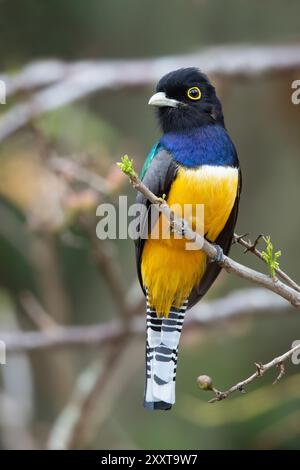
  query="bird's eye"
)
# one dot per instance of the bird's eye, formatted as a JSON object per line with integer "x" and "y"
{"x": 194, "y": 93}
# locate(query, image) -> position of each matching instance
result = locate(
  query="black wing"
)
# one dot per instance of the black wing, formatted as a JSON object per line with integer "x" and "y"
{"x": 158, "y": 178}
{"x": 224, "y": 240}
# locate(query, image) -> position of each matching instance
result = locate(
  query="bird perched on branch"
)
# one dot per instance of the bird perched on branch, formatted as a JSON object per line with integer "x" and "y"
{"x": 194, "y": 163}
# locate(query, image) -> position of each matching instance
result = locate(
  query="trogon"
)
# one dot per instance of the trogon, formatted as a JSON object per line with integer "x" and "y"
{"x": 194, "y": 163}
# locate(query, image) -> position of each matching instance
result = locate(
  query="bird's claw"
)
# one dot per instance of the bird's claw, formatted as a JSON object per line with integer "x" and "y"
{"x": 179, "y": 227}
{"x": 219, "y": 255}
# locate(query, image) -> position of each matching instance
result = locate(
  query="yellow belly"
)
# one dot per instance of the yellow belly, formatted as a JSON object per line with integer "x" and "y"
{"x": 169, "y": 270}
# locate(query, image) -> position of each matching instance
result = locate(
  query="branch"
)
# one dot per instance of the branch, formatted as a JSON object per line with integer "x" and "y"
{"x": 70, "y": 168}
{"x": 35, "y": 311}
{"x": 230, "y": 60}
{"x": 75, "y": 425}
{"x": 252, "y": 247}
{"x": 205, "y": 382}
{"x": 239, "y": 304}
{"x": 106, "y": 260}
{"x": 213, "y": 251}
{"x": 67, "y": 82}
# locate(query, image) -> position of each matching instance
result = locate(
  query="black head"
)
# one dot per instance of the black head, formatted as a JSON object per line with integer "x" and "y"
{"x": 186, "y": 99}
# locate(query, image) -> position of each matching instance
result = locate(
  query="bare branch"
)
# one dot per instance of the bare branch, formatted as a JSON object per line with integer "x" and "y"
{"x": 68, "y": 82}
{"x": 261, "y": 369}
{"x": 229, "y": 60}
{"x": 96, "y": 391}
{"x": 36, "y": 312}
{"x": 252, "y": 247}
{"x": 72, "y": 426}
{"x": 70, "y": 168}
{"x": 239, "y": 304}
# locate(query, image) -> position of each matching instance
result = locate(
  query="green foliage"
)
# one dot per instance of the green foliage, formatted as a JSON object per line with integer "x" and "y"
{"x": 270, "y": 257}
{"x": 126, "y": 165}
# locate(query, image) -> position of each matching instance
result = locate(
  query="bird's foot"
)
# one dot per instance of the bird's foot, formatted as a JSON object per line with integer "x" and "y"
{"x": 219, "y": 258}
{"x": 179, "y": 226}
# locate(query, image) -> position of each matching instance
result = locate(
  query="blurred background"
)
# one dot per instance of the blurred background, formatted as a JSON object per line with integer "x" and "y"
{"x": 59, "y": 146}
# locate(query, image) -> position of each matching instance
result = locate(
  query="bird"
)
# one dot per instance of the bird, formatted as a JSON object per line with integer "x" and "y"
{"x": 193, "y": 163}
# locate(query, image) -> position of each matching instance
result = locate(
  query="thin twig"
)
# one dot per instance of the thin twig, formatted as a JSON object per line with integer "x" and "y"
{"x": 261, "y": 369}
{"x": 36, "y": 312}
{"x": 252, "y": 247}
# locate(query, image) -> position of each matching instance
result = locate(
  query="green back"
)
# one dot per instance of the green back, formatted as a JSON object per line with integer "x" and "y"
{"x": 152, "y": 154}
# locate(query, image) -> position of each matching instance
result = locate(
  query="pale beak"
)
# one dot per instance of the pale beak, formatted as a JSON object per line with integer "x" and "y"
{"x": 161, "y": 100}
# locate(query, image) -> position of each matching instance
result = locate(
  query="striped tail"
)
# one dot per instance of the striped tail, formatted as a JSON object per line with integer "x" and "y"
{"x": 163, "y": 335}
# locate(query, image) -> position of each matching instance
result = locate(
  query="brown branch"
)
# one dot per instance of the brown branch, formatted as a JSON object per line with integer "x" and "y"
{"x": 66, "y": 82}
{"x": 70, "y": 168}
{"x": 212, "y": 251}
{"x": 64, "y": 337}
{"x": 74, "y": 425}
{"x": 252, "y": 247}
{"x": 36, "y": 312}
{"x": 105, "y": 258}
{"x": 244, "y": 302}
{"x": 104, "y": 255}
{"x": 95, "y": 394}
{"x": 205, "y": 382}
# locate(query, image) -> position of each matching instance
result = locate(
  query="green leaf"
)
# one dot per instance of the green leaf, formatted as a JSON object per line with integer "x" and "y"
{"x": 270, "y": 257}
{"x": 126, "y": 165}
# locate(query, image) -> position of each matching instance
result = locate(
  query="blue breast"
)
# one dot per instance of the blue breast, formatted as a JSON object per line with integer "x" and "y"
{"x": 208, "y": 145}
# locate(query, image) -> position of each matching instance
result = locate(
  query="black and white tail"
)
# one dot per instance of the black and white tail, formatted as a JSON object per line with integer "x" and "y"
{"x": 163, "y": 335}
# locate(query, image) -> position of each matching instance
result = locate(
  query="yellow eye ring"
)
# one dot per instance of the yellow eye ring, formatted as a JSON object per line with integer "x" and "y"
{"x": 194, "y": 93}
